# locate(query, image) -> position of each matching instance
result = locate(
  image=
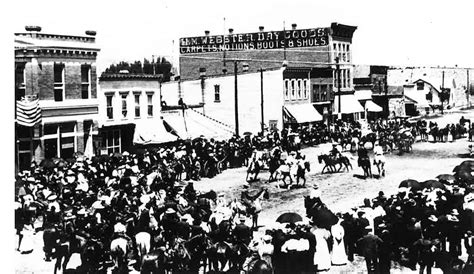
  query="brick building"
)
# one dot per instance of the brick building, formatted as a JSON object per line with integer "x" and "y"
{"x": 317, "y": 68}
{"x": 59, "y": 71}
{"x": 370, "y": 85}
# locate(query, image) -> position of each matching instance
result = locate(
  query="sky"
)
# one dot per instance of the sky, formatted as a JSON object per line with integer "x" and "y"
{"x": 410, "y": 33}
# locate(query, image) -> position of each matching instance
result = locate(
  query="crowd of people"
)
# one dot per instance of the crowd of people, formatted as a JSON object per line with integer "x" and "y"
{"x": 87, "y": 206}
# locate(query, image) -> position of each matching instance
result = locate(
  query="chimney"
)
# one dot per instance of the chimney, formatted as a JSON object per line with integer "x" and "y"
{"x": 231, "y": 31}
{"x": 33, "y": 28}
{"x": 261, "y": 28}
{"x": 206, "y": 32}
{"x": 293, "y": 26}
{"x": 91, "y": 32}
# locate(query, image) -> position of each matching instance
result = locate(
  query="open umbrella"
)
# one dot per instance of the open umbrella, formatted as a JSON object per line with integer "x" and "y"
{"x": 289, "y": 217}
{"x": 324, "y": 218}
{"x": 410, "y": 183}
{"x": 433, "y": 184}
{"x": 247, "y": 133}
{"x": 446, "y": 178}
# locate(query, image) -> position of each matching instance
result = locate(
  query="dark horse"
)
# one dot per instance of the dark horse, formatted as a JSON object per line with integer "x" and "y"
{"x": 322, "y": 216}
{"x": 331, "y": 163}
{"x": 364, "y": 163}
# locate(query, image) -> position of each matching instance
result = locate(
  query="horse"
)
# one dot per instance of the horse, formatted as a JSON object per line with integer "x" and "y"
{"x": 281, "y": 173}
{"x": 322, "y": 216}
{"x": 379, "y": 162}
{"x": 253, "y": 168}
{"x": 198, "y": 247}
{"x": 220, "y": 255}
{"x": 119, "y": 249}
{"x": 273, "y": 164}
{"x": 364, "y": 162}
{"x": 260, "y": 267}
{"x": 50, "y": 236}
{"x": 239, "y": 254}
{"x": 143, "y": 241}
{"x": 300, "y": 174}
{"x": 178, "y": 256}
{"x": 255, "y": 205}
{"x": 91, "y": 256}
{"x": 330, "y": 162}
{"x": 154, "y": 262}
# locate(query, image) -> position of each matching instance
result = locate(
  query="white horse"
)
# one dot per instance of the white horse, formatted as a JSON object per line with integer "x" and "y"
{"x": 379, "y": 160}
{"x": 119, "y": 251}
{"x": 143, "y": 240}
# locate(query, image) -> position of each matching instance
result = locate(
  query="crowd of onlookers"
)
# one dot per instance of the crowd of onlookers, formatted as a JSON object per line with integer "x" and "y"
{"x": 119, "y": 196}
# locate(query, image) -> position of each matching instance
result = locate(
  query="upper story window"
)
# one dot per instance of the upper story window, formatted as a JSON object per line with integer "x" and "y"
{"x": 348, "y": 53}
{"x": 287, "y": 93}
{"x": 420, "y": 86}
{"x": 124, "y": 104}
{"x": 305, "y": 89}
{"x": 292, "y": 88}
{"x": 299, "y": 89}
{"x": 217, "y": 93}
{"x": 110, "y": 107}
{"x": 58, "y": 82}
{"x": 20, "y": 81}
{"x": 137, "y": 104}
{"x": 149, "y": 98}
{"x": 348, "y": 78}
{"x": 86, "y": 81}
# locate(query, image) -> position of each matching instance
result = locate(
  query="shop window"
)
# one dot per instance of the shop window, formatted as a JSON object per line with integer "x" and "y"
{"x": 85, "y": 81}
{"x": 305, "y": 89}
{"x": 217, "y": 93}
{"x": 287, "y": 94}
{"x": 58, "y": 82}
{"x": 111, "y": 141}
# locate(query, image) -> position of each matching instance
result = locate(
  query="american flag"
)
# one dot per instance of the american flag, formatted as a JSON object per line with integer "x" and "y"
{"x": 28, "y": 112}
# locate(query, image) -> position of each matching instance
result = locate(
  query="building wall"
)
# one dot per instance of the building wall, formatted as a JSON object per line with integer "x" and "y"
{"x": 129, "y": 87}
{"x": 249, "y": 98}
{"x": 266, "y": 59}
{"x": 456, "y": 79}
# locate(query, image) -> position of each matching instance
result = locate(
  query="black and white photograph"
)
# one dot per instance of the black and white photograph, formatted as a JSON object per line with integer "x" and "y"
{"x": 248, "y": 137}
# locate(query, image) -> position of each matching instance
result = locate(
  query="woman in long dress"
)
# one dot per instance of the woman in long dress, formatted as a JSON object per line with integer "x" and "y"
{"x": 338, "y": 256}
{"x": 26, "y": 245}
{"x": 322, "y": 257}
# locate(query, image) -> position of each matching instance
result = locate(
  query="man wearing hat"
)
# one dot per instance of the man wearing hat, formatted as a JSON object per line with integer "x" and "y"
{"x": 242, "y": 233}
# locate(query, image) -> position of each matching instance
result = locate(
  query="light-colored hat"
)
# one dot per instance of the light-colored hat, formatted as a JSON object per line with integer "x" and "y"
{"x": 52, "y": 197}
{"x": 170, "y": 211}
{"x": 454, "y": 212}
{"x": 433, "y": 218}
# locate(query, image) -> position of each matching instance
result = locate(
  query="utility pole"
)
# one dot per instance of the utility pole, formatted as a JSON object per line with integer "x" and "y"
{"x": 442, "y": 93}
{"x": 261, "y": 100}
{"x": 236, "y": 100}
{"x": 338, "y": 75}
{"x": 468, "y": 89}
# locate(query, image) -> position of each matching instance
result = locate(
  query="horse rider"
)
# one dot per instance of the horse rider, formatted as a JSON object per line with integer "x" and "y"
{"x": 378, "y": 154}
{"x": 362, "y": 153}
{"x": 336, "y": 151}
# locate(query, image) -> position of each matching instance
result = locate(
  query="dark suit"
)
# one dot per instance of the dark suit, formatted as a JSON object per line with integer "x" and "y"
{"x": 369, "y": 246}
{"x": 242, "y": 233}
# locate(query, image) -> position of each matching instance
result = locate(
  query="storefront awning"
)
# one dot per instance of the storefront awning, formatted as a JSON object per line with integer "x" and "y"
{"x": 303, "y": 113}
{"x": 372, "y": 107}
{"x": 349, "y": 104}
{"x": 192, "y": 124}
{"x": 152, "y": 132}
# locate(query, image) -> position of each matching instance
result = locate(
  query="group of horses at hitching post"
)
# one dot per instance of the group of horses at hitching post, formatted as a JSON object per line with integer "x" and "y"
{"x": 279, "y": 170}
